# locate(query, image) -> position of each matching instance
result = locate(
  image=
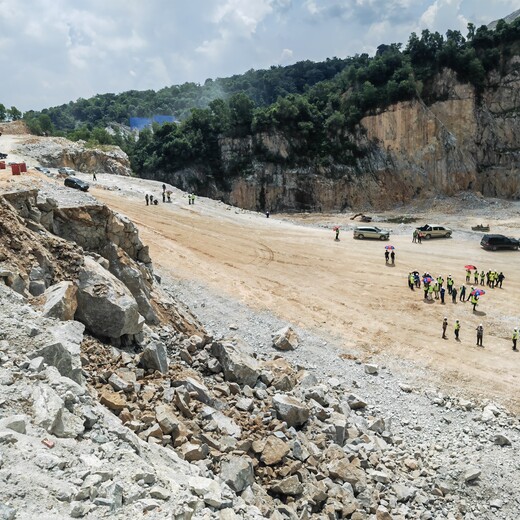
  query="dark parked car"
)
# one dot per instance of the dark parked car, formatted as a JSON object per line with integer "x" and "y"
{"x": 3, "y": 156}
{"x": 494, "y": 242}
{"x": 78, "y": 184}
{"x": 42, "y": 169}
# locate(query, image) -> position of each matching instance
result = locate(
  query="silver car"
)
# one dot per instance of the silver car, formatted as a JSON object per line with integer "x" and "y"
{"x": 371, "y": 232}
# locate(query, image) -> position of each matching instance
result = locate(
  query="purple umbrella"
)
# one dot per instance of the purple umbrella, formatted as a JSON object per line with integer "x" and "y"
{"x": 389, "y": 247}
{"x": 478, "y": 292}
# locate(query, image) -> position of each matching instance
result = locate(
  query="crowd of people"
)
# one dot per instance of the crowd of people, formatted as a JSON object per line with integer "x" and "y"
{"x": 151, "y": 200}
{"x": 435, "y": 288}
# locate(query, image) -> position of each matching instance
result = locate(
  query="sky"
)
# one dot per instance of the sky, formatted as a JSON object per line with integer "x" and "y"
{"x": 56, "y": 51}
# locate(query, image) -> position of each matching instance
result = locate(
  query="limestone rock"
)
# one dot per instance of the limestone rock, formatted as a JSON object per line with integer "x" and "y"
{"x": 472, "y": 473}
{"x": 285, "y": 339}
{"x": 355, "y": 402}
{"x": 167, "y": 420}
{"x": 64, "y": 352}
{"x": 501, "y": 440}
{"x": 60, "y": 301}
{"x": 113, "y": 401}
{"x": 237, "y": 473}
{"x": 289, "y": 486}
{"x": 274, "y": 451}
{"x": 371, "y": 369}
{"x": 237, "y": 366}
{"x": 16, "y": 423}
{"x": 105, "y": 305}
{"x": 154, "y": 357}
{"x": 209, "y": 490}
{"x": 290, "y": 410}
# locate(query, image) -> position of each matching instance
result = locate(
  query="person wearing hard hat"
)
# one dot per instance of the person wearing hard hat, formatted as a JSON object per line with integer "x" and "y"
{"x": 480, "y": 335}
{"x": 444, "y": 327}
{"x": 515, "y": 338}
{"x": 457, "y": 330}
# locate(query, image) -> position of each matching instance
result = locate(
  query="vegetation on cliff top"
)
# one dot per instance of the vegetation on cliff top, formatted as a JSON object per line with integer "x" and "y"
{"x": 316, "y": 106}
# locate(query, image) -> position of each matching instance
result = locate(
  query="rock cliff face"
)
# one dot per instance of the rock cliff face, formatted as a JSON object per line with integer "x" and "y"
{"x": 463, "y": 142}
{"x": 58, "y": 151}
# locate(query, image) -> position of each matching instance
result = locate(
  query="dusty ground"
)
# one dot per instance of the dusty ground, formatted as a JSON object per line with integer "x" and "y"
{"x": 343, "y": 288}
{"x": 291, "y": 266}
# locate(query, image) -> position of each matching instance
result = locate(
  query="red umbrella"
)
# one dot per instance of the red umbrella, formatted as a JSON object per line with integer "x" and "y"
{"x": 389, "y": 247}
{"x": 470, "y": 267}
{"x": 335, "y": 228}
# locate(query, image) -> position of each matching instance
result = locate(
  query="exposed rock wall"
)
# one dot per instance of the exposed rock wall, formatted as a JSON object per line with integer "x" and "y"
{"x": 462, "y": 142}
{"x": 58, "y": 151}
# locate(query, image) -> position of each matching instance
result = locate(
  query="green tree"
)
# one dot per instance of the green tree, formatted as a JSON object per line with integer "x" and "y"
{"x": 14, "y": 114}
{"x": 3, "y": 112}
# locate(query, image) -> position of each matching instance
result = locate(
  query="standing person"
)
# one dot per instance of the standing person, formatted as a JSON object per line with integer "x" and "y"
{"x": 469, "y": 295}
{"x": 462, "y": 293}
{"x": 411, "y": 281}
{"x": 417, "y": 280}
{"x": 457, "y": 330}
{"x": 480, "y": 335}
{"x": 492, "y": 279}
{"x": 193, "y": 198}
{"x": 387, "y": 256}
{"x": 163, "y": 196}
{"x": 454, "y": 295}
{"x": 426, "y": 289}
{"x": 515, "y": 338}
{"x": 468, "y": 275}
{"x": 392, "y": 257}
{"x": 430, "y": 291}
{"x": 163, "y": 188}
{"x": 449, "y": 283}
{"x": 267, "y": 214}
{"x": 474, "y": 301}
{"x": 414, "y": 236}
{"x": 444, "y": 327}
{"x": 419, "y": 237}
{"x": 337, "y": 233}
{"x": 443, "y": 292}
{"x": 146, "y": 198}
{"x": 94, "y": 178}
{"x": 436, "y": 290}
{"x": 500, "y": 279}
{"x": 169, "y": 195}
{"x": 482, "y": 277}
{"x": 189, "y": 199}
{"x": 475, "y": 277}
{"x": 487, "y": 278}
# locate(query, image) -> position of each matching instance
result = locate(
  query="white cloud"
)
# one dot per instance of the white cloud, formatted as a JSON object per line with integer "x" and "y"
{"x": 286, "y": 56}
{"x": 76, "y": 49}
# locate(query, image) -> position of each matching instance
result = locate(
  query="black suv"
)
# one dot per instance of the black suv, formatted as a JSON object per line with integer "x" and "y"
{"x": 494, "y": 242}
{"x": 78, "y": 184}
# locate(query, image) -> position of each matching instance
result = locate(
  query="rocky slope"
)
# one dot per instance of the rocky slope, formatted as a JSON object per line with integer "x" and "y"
{"x": 464, "y": 141}
{"x": 102, "y": 414}
{"x": 53, "y": 152}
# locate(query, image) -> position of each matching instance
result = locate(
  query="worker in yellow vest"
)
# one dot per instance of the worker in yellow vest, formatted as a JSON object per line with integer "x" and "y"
{"x": 457, "y": 330}
{"x": 474, "y": 301}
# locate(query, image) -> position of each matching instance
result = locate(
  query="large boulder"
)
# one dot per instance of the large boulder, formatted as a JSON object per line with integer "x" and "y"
{"x": 60, "y": 301}
{"x": 63, "y": 352}
{"x": 237, "y": 473}
{"x": 137, "y": 278}
{"x": 290, "y": 410}
{"x": 105, "y": 305}
{"x": 237, "y": 366}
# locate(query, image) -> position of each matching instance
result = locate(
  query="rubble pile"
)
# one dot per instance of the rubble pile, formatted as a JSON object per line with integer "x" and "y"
{"x": 114, "y": 401}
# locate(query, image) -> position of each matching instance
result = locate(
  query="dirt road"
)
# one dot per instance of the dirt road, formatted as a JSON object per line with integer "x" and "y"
{"x": 298, "y": 272}
{"x": 302, "y": 275}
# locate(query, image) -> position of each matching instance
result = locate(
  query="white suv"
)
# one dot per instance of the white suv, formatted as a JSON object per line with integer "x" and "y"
{"x": 371, "y": 232}
{"x": 430, "y": 231}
